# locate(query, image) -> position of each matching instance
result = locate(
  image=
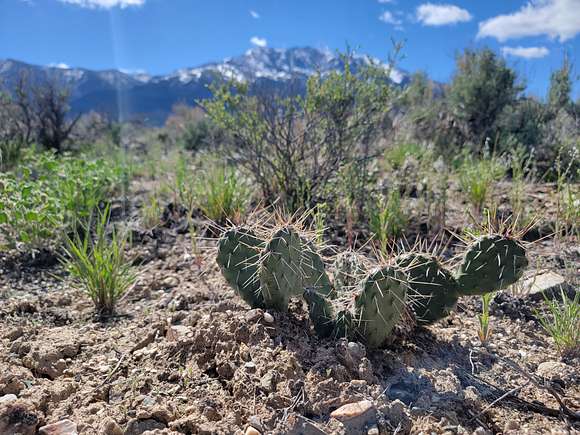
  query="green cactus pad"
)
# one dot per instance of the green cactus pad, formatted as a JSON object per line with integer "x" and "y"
{"x": 238, "y": 255}
{"x": 280, "y": 271}
{"x": 491, "y": 263}
{"x": 343, "y": 325}
{"x": 379, "y": 305}
{"x": 289, "y": 266}
{"x": 314, "y": 272}
{"x": 433, "y": 288}
{"x": 321, "y": 313}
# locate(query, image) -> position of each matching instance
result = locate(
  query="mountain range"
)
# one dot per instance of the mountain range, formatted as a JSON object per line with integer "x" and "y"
{"x": 125, "y": 95}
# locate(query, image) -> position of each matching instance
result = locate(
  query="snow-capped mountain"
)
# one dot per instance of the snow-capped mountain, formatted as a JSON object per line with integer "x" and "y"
{"x": 128, "y": 95}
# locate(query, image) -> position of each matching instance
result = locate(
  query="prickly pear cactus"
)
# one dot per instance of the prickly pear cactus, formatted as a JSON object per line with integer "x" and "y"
{"x": 348, "y": 270}
{"x": 491, "y": 263}
{"x": 314, "y": 272}
{"x": 289, "y": 266}
{"x": 280, "y": 273}
{"x": 238, "y": 257}
{"x": 379, "y": 305}
{"x": 432, "y": 288}
{"x": 321, "y": 313}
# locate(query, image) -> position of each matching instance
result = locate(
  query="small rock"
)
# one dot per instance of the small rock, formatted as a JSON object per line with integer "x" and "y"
{"x": 252, "y": 431}
{"x": 268, "y": 318}
{"x": 373, "y": 431}
{"x": 137, "y": 427}
{"x": 110, "y": 427}
{"x": 8, "y": 398}
{"x": 510, "y": 426}
{"x": 14, "y": 333}
{"x": 550, "y": 284}
{"x": 250, "y": 366}
{"x": 170, "y": 282}
{"x": 63, "y": 427}
{"x": 356, "y": 417}
{"x": 555, "y": 371}
{"x": 254, "y": 315}
{"x": 481, "y": 431}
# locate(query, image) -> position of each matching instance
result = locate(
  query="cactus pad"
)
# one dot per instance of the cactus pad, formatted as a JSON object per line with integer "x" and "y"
{"x": 433, "y": 288}
{"x": 379, "y": 305}
{"x": 238, "y": 255}
{"x": 491, "y": 263}
{"x": 321, "y": 313}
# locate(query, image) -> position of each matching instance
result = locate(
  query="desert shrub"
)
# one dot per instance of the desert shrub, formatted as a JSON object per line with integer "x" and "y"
{"x": 98, "y": 264}
{"x": 483, "y": 85}
{"x": 477, "y": 177}
{"x": 221, "y": 193}
{"x": 295, "y": 146}
{"x": 388, "y": 218}
{"x": 50, "y": 194}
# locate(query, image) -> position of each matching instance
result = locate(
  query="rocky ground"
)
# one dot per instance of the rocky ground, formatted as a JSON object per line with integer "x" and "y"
{"x": 185, "y": 355}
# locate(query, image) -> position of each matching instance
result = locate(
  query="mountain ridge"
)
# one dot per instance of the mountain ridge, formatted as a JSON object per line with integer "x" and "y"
{"x": 124, "y": 95}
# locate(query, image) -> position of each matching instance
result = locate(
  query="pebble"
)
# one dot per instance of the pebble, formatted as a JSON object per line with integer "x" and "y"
{"x": 252, "y": 431}
{"x": 63, "y": 427}
{"x": 268, "y": 318}
{"x": 356, "y": 417}
{"x": 254, "y": 315}
{"x": 110, "y": 427}
{"x": 7, "y": 398}
{"x": 511, "y": 425}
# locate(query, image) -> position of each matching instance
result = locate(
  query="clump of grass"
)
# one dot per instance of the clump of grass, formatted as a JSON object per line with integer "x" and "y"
{"x": 476, "y": 179}
{"x": 387, "y": 219}
{"x": 562, "y": 322}
{"x": 221, "y": 193}
{"x": 151, "y": 212}
{"x": 98, "y": 264}
{"x": 396, "y": 155}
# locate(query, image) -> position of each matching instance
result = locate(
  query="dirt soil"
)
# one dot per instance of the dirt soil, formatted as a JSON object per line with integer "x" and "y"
{"x": 186, "y": 355}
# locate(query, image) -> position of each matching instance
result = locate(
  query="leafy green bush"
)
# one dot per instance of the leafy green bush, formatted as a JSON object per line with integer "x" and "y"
{"x": 49, "y": 195}
{"x": 98, "y": 264}
{"x": 295, "y": 146}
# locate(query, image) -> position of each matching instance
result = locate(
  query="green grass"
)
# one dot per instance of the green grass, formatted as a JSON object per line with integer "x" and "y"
{"x": 484, "y": 332}
{"x": 396, "y": 155}
{"x": 477, "y": 177}
{"x": 98, "y": 265}
{"x": 562, "y": 322}
{"x": 387, "y": 219}
{"x": 221, "y": 193}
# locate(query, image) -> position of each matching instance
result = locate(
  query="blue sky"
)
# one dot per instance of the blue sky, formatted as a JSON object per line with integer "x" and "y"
{"x": 159, "y": 36}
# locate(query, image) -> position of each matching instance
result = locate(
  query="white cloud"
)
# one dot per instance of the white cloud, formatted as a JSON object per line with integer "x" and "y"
{"x": 389, "y": 18}
{"x": 60, "y": 65}
{"x": 555, "y": 18}
{"x": 525, "y": 52}
{"x": 430, "y": 14}
{"x": 254, "y": 14}
{"x": 104, "y": 4}
{"x": 258, "y": 42}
